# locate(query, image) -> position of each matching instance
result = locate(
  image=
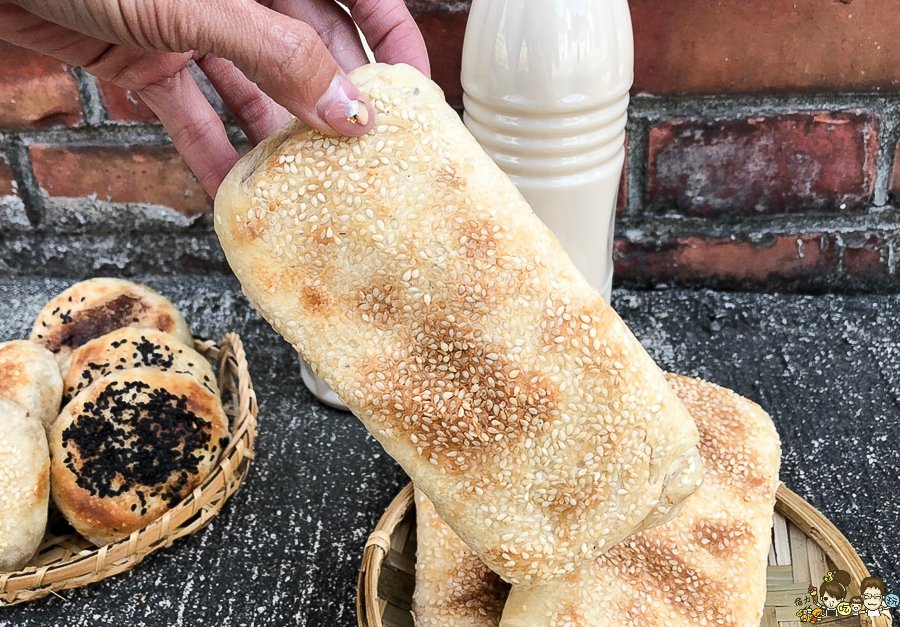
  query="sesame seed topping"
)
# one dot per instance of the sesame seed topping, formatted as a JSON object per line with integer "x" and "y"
{"x": 144, "y": 437}
{"x": 460, "y": 334}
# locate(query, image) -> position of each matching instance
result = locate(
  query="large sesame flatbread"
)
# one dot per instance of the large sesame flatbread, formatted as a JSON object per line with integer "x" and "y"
{"x": 707, "y": 566}
{"x": 414, "y": 278}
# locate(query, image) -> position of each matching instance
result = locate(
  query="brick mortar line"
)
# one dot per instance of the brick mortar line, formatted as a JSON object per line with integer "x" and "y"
{"x": 636, "y": 158}
{"x": 20, "y": 164}
{"x": 125, "y": 136}
{"x": 822, "y": 286}
{"x": 91, "y": 101}
{"x": 109, "y": 135}
{"x": 149, "y": 277}
{"x": 840, "y": 248}
{"x": 657, "y": 109}
{"x": 650, "y": 229}
{"x": 666, "y": 227}
{"x": 659, "y": 227}
{"x": 888, "y": 136}
{"x": 43, "y": 236}
{"x": 651, "y": 110}
{"x": 419, "y": 7}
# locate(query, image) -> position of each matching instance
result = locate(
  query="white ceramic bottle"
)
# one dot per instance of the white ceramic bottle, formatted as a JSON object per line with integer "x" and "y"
{"x": 545, "y": 93}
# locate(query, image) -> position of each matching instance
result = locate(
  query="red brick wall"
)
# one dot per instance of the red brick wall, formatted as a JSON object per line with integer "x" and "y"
{"x": 762, "y": 144}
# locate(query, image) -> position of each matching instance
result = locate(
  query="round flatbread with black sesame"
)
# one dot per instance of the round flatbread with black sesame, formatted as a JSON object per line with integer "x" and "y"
{"x": 129, "y": 348}
{"x": 93, "y": 308}
{"x": 130, "y": 446}
{"x": 24, "y": 485}
{"x": 29, "y": 375}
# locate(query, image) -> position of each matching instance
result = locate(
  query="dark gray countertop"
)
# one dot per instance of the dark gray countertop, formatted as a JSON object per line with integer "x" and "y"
{"x": 287, "y": 547}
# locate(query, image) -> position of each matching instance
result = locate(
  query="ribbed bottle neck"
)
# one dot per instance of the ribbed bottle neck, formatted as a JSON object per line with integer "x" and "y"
{"x": 544, "y": 144}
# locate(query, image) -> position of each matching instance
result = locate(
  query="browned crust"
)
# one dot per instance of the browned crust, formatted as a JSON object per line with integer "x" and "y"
{"x": 12, "y": 379}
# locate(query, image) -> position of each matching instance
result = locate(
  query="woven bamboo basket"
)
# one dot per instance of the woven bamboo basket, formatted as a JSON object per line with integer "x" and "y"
{"x": 66, "y": 560}
{"x": 805, "y": 546}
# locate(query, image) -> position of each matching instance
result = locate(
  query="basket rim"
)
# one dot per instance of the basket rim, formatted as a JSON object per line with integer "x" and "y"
{"x": 378, "y": 545}
{"x": 92, "y": 565}
{"x": 791, "y": 505}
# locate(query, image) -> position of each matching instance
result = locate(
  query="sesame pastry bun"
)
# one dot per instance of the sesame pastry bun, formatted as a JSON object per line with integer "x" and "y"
{"x": 29, "y": 375}
{"x": 408, "y": 270}
{"x": 128, "y": 348}
{"x": 130, "y": 446}
{"x": 707, "y": 566}
{"x": 24, "y": 485}
{"x": 93, "y": 308}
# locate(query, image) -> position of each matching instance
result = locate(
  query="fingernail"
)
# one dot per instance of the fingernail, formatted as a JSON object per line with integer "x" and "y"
{"x": 344, "y": 108}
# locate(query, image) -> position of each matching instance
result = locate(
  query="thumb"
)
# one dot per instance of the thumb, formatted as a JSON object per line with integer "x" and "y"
{"x": 287, "y": 59}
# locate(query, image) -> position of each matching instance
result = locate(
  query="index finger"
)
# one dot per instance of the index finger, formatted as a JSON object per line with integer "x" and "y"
{"x": 391, "y": 32}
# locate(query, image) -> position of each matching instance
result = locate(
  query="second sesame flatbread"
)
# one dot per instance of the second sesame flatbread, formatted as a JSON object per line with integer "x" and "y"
{"x": 128, "y": 348}
{"x": 453, "y": 586}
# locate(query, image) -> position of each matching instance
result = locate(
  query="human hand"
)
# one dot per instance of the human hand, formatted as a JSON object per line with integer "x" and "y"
{"x": 268, "y": 59}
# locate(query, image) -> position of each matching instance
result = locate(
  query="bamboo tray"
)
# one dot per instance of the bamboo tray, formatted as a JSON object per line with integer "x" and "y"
{"x": 66, "y": 560}
{"x": 805, "y": 546}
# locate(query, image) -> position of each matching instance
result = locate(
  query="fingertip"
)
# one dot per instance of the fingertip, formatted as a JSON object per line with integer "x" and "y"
{"x": 344, "y": 110}
{"x": 290, "y": 63}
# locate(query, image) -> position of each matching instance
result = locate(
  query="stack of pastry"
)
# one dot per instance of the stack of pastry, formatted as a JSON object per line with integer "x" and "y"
{"x": 413, "y": 277}
{"x": 705, "y": 566}
{"x": 141, "y": 423}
